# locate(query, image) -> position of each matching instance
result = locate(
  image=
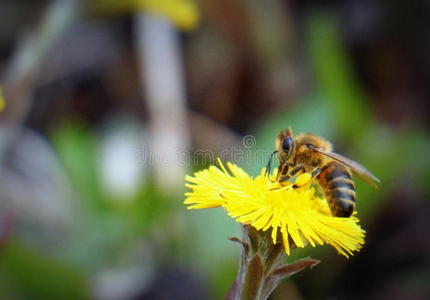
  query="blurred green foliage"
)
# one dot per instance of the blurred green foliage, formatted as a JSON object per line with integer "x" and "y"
{"x": 335, "y": 77}
{"x": 39, "y": 276}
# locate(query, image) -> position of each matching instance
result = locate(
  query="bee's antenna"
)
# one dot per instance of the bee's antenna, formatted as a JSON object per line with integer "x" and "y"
{"x": 289, "y": 131}
{"x": 269, "y": 163}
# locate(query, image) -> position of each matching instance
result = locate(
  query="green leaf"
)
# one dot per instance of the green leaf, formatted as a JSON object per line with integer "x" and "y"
{"x": 295, "y": 267}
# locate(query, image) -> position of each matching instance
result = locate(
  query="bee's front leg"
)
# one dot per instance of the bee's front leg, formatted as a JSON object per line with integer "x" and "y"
{"x": 269, "y": 164}
{"x": 292, "y": 173}
{"x": 282, "y": 171}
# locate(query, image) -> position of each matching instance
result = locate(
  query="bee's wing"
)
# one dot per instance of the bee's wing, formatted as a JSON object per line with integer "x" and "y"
{"x": 358, "y": 169}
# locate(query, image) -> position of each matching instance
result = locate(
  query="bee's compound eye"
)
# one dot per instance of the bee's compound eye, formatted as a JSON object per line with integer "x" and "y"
{"x": 287, "y": 144}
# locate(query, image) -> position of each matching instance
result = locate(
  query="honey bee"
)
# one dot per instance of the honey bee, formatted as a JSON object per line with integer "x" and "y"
{"x": 307, "y": 152}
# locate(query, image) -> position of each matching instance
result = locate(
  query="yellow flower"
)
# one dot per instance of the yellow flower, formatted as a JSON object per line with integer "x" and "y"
{"x": 295, "y": 211}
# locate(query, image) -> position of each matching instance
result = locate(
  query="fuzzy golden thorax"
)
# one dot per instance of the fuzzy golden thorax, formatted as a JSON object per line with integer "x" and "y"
{"x": 304, "y": 154}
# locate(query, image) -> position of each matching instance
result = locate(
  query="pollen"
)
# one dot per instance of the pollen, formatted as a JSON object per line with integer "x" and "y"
{"x": 294, "y": 214}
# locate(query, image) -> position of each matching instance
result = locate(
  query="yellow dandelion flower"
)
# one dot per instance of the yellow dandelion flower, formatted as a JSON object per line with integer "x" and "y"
{"x": 293, "y": 210}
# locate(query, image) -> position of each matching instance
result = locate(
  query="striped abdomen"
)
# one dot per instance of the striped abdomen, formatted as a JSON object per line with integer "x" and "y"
{"x": 336, "y": 182}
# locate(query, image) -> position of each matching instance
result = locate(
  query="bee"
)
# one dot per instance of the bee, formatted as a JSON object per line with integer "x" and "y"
{"x": 307, "y": 152}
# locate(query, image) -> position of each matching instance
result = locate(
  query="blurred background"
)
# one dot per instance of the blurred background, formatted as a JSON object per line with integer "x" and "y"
{"x": 110, "y": 103}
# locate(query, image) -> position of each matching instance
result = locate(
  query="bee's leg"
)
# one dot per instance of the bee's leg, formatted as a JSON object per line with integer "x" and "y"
{"x": 283, "y": 171}
{"x": 269, "y": 164}
{"x": 292, "y": 173}
{"x": 314, "y": 174}
{"x": 296, "y": 170}
{"x": 283, "y": 174}
{"x": 285, "y": 178}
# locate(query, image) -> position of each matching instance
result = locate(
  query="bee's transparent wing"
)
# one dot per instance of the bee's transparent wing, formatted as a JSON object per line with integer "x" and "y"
{"x": 355, "y": 167}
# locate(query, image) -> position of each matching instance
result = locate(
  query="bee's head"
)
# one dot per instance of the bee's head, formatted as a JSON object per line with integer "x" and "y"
{"x": 286, "y": 149}
{"x": 287, "y": 146}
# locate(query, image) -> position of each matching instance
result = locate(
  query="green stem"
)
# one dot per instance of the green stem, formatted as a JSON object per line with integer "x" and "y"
{"x": 259, "y": 257}
{"x": 262, "y": 266}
